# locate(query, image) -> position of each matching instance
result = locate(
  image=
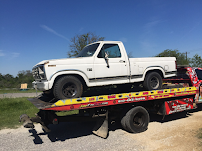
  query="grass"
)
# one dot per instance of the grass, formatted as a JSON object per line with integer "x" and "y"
{"x": 67, "y": 113}
{"x": 3, "y": 91}
{"x": 12, "y": 108}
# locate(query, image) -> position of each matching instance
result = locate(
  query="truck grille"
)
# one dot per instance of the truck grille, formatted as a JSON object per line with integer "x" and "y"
{"x": 38, "y": 72}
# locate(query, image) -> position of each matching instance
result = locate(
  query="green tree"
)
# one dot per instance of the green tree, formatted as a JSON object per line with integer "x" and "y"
{"x": 80, "y": 41}
{"x": 180, "y": 57}
{"x": 8, "y": 81}
{"x": 196, "y": 61}
{"x": 25, "y": 76}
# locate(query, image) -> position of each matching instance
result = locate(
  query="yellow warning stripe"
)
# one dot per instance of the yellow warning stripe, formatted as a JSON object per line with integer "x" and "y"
{"x": 159, "y": 93}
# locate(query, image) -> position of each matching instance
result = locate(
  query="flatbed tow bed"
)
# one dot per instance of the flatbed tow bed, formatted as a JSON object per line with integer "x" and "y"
{"x": 131, "y": 109}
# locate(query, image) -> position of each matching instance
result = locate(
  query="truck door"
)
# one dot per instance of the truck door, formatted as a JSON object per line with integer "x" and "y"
{"x": 110, "y": 66}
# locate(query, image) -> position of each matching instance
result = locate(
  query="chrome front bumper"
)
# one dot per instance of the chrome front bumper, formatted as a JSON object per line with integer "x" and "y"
{"x": 42, "y": 86}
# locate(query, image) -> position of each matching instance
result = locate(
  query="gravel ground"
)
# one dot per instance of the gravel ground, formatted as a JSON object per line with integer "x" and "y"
{"x": 66, "y": 136}
{"x": 17, "y": 95}
{"x": 176, "y": 133}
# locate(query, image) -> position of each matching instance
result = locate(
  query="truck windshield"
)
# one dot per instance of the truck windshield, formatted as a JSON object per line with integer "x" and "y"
{"x": 88, "y": 51}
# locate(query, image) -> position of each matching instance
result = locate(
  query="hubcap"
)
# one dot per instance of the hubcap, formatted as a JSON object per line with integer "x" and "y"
{"x": 69, "y": 90}
{"x": 154, "y": 82}
{"x": 138, "y": 119}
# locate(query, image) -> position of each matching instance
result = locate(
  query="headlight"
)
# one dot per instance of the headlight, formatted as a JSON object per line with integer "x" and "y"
{"x": 38, "y": 72}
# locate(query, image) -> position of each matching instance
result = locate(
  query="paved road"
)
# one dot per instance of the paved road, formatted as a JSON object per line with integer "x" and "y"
{"x": 17, "y": 95}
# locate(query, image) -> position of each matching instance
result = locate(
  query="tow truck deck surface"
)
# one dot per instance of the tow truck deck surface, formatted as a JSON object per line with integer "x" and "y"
{"x": 44, "y": 103}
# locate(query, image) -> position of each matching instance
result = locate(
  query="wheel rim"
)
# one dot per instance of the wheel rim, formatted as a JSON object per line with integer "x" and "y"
{"x": 154, "y": 82}
{"x": 138, "y": 119}
{"x": 69, "y": 90}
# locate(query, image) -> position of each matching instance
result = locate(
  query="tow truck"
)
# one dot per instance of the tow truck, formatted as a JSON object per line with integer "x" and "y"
{"x": 131, "y": 109}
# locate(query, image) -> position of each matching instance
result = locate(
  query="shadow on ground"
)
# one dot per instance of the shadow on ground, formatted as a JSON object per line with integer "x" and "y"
{"x": 69, "y": 130}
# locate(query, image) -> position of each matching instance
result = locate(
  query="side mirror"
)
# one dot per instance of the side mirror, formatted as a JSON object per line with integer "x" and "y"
{"x": 106, "y": 58}
{"x": 106, "y": 55}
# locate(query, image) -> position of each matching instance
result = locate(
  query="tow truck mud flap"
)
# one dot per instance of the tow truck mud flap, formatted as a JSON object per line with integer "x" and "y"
{"x": 101, "y": 127}
{"x": 27, "y": 123}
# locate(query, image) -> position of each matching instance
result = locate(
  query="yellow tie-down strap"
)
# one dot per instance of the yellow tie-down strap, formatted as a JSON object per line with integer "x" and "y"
{"x": 153, "y": 93}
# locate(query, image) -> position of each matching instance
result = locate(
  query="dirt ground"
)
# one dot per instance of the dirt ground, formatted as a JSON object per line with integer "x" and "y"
{"x": 177, "y": 133}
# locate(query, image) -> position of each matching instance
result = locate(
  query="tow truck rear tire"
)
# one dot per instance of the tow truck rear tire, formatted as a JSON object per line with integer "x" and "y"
{"x": 123, "y": 119}
{"x": 67, "y": 87}
{"x": 153, "y": 81}
{"x": 137, "y": 119}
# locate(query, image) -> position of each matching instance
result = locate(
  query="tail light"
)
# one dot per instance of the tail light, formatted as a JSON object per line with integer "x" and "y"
{"x": 176, "y": 64}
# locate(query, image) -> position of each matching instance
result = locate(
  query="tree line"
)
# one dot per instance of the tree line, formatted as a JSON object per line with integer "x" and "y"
{"x": 181, "y": 58}
{"x": 9, "y": 81}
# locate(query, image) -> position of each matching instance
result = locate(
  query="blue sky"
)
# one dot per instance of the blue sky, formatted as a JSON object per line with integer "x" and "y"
{"x": 36, "y": 30}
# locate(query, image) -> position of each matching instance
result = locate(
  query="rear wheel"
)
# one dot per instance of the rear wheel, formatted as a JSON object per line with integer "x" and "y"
{"x": 68, "y": 87}
{"x": 153, "y": 81}
{"x": 123, "y": 123}
{"x": 136, "y": 120}
{"x": 123, "y": 119}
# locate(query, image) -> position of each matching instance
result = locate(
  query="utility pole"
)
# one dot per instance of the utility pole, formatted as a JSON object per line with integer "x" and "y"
{"x": 186, "y": 54}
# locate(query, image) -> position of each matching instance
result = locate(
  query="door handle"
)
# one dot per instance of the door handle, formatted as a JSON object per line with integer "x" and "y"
{"x": 122, "y": 61}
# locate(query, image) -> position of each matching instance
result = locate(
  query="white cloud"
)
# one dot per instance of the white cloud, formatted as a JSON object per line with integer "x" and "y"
{"x": 53, "y": 31}
{"x": 148, "y": 47}
{"x": 152, "y": 24}
{"x": 15, "y": 55}
{"x": 1, "y": 53}
{"x": 81, "y": 29}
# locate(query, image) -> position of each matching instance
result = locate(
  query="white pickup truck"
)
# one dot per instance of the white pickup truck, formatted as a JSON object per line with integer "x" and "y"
{"x": 99, "y": 64}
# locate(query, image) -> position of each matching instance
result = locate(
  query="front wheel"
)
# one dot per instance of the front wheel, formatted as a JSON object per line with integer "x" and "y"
{"x": 67, "y": 87}
{"x": 153, "y": 81}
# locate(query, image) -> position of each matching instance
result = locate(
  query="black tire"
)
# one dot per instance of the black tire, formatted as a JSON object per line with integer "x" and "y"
{"x": 123, "y": 123}
{"x": 67, "y": 87}
{"x": 153, "y": 81}
{"x": 137, "y": 120}
{"x": 123, "y": 119}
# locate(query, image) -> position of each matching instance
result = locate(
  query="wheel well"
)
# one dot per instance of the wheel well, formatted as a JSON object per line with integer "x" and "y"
{"x": 156, "y": 70}
{"x": 75, "y": 75}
